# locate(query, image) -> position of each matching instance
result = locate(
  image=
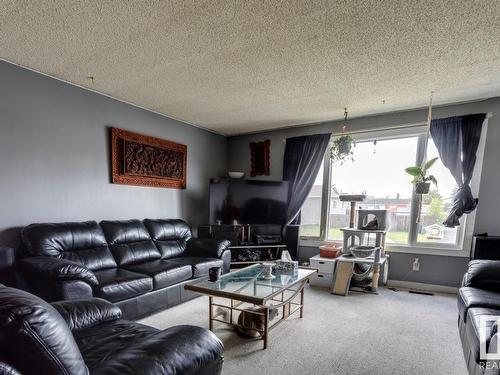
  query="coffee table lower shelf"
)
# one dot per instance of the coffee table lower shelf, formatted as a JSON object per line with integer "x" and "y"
{"x": 287, "y": 306}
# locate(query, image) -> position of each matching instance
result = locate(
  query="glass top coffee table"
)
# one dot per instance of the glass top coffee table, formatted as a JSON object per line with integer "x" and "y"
{"x": 249, "y": 286}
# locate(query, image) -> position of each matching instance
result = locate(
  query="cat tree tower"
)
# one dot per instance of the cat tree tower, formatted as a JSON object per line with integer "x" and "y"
{"x": 363, "y": 244}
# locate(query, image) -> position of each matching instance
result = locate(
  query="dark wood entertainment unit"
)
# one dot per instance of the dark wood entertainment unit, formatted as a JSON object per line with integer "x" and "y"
{"x": 268, "y": 253}
{"x": 252, "y": 244}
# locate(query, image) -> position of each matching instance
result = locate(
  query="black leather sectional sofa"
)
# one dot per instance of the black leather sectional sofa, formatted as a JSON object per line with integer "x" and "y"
{"x": 88, "y": 337}
{"x": 141, "y": 266}
{"x": 479, "y": 297}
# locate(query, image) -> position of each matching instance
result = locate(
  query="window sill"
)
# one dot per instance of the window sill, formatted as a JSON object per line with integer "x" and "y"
{"x": 315, "y": 242}
{"x": 428, "y": 250}
{"x": 416, "y": 249}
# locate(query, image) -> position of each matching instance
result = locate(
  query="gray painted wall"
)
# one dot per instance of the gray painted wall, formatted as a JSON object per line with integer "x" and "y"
{"x": 442, "y": 270}
{"x": 54, "y": 157}
{"x": 434, "y": 269}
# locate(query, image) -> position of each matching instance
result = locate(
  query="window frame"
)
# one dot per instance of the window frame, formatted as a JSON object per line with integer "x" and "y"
{"x": 420, "y": 131}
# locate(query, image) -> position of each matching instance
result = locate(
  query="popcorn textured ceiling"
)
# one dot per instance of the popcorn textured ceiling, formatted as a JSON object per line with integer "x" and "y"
{"x": 243, "y": 66}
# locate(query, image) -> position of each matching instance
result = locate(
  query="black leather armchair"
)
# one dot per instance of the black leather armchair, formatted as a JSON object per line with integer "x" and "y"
{"x": 479, "y": 297}
{"x": 141, "y": 266}
{"x": 88, "y": 336}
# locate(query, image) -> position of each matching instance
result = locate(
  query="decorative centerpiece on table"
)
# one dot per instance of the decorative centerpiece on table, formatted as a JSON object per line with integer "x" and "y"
{"x": 286, "y": 264}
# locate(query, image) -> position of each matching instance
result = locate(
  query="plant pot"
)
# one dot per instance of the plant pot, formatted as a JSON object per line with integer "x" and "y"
{"x": 341, "y": 149}
{"x": 422, "y": 187}
{"x": 345, "y": 146}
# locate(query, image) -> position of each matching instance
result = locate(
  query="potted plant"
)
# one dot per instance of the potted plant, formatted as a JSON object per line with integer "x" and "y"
{"x": 341, "y": 149}
{"x": 421, "y": 179}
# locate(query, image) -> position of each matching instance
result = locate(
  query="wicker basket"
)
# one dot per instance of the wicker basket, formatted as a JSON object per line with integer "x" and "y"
{"x": 326, "y": 251}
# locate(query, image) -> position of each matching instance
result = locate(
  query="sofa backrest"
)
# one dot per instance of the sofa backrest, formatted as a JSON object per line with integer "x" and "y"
{"x": 35, "y": 338}
{"x": 169, "y": 235}
{"x": 129, "y": 241}
{"x": 83, "y": 243}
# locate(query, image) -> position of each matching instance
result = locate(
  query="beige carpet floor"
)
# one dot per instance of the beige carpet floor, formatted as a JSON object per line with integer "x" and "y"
{"x": 390, "y": 333}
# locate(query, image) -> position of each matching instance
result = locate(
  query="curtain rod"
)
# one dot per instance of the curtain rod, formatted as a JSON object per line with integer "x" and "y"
{"x": 397, "y": 127}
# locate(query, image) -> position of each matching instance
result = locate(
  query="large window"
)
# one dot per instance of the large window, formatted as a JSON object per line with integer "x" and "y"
{"x": 378, "y": 172}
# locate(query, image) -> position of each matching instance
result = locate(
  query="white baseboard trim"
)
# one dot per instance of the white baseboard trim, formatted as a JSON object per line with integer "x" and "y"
{"x": 422, "y": 286}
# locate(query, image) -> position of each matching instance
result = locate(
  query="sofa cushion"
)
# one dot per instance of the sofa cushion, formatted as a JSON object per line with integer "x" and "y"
{"x": 473, "y": 297}
{"x": 129, "y": 242}
{"x": 83, "y": 243}
{"x": 123, "y": 347}
{"x": 103, "y": 341}
{"x": 476, "y": 325}
{"x": 169, "y": 235}
{"x": 200, "y": 265}
{"x": 163, "y": 272}
{"x": 116, "y": 284}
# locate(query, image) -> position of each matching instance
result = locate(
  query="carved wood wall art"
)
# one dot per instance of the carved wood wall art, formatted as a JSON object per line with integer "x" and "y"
{"x": 142, "y": 160}
{"x": 259, "y": 155}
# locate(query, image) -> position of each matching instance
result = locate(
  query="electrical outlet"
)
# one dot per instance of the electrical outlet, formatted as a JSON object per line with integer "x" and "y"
{"x": 416, "y": 265}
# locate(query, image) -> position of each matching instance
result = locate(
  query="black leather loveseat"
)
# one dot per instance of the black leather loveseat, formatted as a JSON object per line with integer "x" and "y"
{"x": 88, "y": 337}
{"x": 141, "y": 266}
{"x": 479, "y": 298}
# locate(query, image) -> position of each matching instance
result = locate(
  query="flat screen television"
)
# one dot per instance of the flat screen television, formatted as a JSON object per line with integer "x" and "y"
{"x": 248, "y": 201}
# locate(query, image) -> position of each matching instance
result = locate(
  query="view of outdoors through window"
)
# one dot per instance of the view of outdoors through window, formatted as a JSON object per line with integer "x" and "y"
{"x": 437, "y": 204}
{"x": 310, "y": 215}
{"x": 378, "y": 171}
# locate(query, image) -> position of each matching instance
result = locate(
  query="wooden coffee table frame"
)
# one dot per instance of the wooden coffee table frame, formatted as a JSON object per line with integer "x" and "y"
{"x": 287, "y": 304}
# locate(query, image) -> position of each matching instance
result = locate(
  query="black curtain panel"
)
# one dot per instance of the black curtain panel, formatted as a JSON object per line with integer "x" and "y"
{"x": 301, "y": 163}
{"x": 456, "y": 139}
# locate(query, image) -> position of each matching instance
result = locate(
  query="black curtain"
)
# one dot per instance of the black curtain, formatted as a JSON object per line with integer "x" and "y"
{"x": 456, "y": 139}
{"x": 301, "y": 163}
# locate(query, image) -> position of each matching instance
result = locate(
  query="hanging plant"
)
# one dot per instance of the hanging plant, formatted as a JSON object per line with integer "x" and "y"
{"x": 341, "y": 148}
{"x": 421, "y": 179}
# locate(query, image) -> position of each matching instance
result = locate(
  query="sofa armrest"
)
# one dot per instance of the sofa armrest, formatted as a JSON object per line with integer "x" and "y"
{"x": 206, "y": 247}
{"x": 81, "y": 314}
{"x": 483, "y": 274}
{"x": 56, "y": 269}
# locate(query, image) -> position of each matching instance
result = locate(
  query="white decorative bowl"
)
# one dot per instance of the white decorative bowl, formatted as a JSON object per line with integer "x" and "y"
{"x": 236, "y": 174}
